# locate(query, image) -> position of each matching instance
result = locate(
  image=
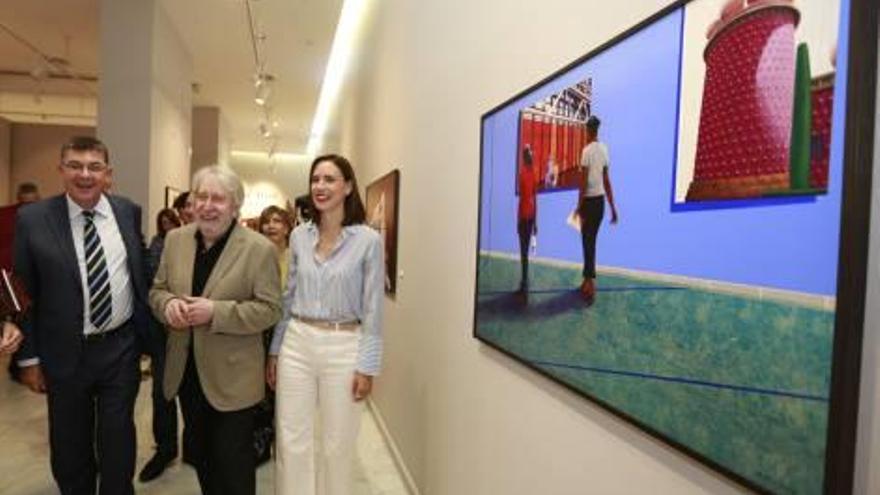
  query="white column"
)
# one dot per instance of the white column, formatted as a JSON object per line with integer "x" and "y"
{"x": 145, "y": 102}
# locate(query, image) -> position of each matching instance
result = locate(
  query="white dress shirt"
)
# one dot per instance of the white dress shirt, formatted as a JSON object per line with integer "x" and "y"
{"x": 348, "y": 285}
{"x": 115, "y": 256}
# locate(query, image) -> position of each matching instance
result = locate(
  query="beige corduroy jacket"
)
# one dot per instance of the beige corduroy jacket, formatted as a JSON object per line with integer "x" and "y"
{"x": 246, "y": 290}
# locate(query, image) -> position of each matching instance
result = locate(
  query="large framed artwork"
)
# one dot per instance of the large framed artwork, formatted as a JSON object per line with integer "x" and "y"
{"x": 382, "y": 203}
{"x": 674, "y": 226}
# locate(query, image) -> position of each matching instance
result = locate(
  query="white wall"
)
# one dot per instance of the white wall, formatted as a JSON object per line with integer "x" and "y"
{"x": 269, "y": 181}
{"x": 171, "y": 116}
{"x": 35, "y": 153}
{"x": 145, "y": 102}
{"x": 467, "y": 419}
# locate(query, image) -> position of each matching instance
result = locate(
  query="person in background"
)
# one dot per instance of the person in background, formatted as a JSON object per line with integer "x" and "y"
{"x": 183, "y": 205}
{"x": 164, "y": 411}
{"x": 276, "y": 224}
{"x": 217, "y": 290}
{"x": 329, "y": 342}
{"x": 26, "y": 193}
{"x": 302, "y": 209}
{"x": 80, "y": 257}
{"x": 591, "y": 206}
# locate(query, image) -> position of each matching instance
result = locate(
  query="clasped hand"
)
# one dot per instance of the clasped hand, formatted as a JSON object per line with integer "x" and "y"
{"x": 187, "y": 311}
{"x": 10, "y": 338}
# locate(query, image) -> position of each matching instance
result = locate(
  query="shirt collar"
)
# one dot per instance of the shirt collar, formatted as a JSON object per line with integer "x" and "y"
{"x": 312, "y": 227}
{"x": 221, "y": 241}
{"x": 103, "y": 207}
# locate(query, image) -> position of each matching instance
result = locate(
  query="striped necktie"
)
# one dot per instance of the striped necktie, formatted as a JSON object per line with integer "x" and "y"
{"x": 100, "y": 301}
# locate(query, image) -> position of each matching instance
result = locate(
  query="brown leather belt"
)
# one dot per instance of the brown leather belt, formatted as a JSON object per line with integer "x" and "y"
{"x": 347, "y": 326}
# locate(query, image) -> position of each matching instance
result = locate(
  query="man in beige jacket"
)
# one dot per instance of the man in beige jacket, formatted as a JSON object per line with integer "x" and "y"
{"x": 216, "y": 290}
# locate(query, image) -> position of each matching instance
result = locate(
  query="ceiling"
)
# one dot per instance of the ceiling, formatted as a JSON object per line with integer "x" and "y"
{"x": 298, "y": 37}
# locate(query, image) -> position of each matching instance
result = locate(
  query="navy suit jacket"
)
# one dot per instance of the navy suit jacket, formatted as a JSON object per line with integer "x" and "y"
{"x": 45, "y": 261}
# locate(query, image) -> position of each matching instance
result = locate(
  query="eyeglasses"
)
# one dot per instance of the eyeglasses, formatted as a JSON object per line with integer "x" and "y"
{"x": 79, "y": 167}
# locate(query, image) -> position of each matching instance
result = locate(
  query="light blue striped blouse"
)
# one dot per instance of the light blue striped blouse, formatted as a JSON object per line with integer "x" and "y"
{"x": 348, "y": 285}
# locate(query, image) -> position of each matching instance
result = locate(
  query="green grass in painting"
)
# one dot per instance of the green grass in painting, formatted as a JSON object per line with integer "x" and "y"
{"x": 743, "y": 382}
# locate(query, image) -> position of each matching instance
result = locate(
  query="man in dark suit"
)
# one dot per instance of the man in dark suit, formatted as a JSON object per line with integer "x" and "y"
{"x": 80, "y": 256}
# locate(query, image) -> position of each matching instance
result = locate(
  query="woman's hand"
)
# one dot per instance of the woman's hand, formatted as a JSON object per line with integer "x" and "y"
{"x": 361, "y": 386}
{"x": 272, "y": 371}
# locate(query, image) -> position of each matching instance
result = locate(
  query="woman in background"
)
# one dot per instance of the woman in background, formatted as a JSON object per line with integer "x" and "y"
{"x": 276, "y": 224}
{"x": 166, "y": 220}
{"x": 164, "y": 411}
{"x": 329, "y": 342}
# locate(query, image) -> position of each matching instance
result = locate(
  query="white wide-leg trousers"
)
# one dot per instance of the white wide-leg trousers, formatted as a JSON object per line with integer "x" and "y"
{"x": 315, "y": 374}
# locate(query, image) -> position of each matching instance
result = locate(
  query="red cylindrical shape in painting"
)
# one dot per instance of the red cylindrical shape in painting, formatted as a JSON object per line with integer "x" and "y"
{"x": 745, "y": 118}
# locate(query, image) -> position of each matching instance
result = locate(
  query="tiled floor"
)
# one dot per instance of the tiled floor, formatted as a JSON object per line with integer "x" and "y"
{"x": 24, "y": 451}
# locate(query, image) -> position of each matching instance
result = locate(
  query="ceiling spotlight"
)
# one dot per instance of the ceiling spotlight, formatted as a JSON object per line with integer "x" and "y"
{"x": 265, "y": 131}
{"x": 263, "y": 89}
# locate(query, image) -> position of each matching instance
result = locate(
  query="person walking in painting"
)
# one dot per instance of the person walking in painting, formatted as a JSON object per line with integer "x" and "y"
{"x": 595, "y": 188}
{"x": 526, "y": 214}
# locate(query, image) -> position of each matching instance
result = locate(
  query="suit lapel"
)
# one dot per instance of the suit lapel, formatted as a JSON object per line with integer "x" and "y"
{"x": 133, "y": 249}
{"x": 59, "y": 224}
{"x": 187, "y": 255}
{"x": 230, "y": 253}
{"x": 123, "y": 220}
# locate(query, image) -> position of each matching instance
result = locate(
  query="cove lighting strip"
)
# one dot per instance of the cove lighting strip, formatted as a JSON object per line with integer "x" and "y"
{"x": 350, "y": 23}
{"x": 261, "y": 155}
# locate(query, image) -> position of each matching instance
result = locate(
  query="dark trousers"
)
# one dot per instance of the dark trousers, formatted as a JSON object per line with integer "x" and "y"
{"x": 91, "y": 417}
{"x": 164, "y": 411}
{"x": 590, "y": 210}
{"x": 222, "y": 440}
{"x": 524, "y": 228}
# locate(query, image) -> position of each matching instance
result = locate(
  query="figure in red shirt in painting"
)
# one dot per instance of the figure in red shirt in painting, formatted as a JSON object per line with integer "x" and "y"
{"x": 526, "y": 215}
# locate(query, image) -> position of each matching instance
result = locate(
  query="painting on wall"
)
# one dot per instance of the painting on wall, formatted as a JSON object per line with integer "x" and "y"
{"x": 382, "y": 204}
{"x": 661, "y": 227}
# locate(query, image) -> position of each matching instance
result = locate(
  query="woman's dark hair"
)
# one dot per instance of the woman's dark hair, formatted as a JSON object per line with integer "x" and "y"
{"x": 169, "y": 214}
{"x": 303, "y": 205}
{"x": 355, "y": 213}
{"x": 180, "y": 200}
{"x": 267, "y": 213}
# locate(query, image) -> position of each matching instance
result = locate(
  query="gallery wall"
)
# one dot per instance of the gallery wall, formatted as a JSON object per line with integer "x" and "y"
{"x": 464, "y": 418}
{"x": 269, "y": 181}
{"x": 35, "y": 154}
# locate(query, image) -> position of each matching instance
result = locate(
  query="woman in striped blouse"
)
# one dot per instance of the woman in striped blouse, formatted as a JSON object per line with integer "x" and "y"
{"x": 329, "y": 342}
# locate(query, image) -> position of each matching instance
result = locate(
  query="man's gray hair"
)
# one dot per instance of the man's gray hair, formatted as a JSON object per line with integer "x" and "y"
{"x": 227, "y": 178}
